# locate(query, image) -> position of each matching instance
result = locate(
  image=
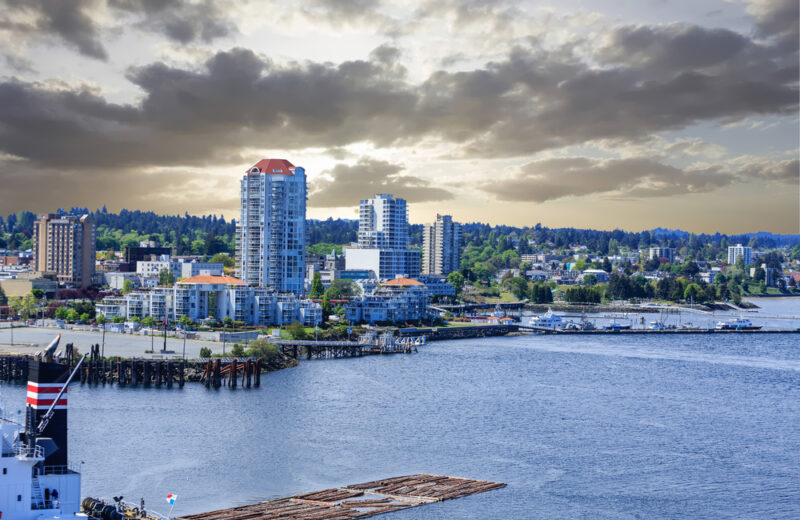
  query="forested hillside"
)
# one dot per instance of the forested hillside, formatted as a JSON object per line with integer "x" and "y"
{"x": 211, "y": 234}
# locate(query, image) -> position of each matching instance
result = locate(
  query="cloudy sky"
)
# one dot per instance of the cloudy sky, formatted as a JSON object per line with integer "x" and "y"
{"x": 602, "y": 113}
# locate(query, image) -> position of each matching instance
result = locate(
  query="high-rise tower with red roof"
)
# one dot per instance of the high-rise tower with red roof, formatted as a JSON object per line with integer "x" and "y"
{"x": 270, "y": 235}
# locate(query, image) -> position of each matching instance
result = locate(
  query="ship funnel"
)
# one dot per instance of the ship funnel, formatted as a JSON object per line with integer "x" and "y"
{"x": 51, "y": 349}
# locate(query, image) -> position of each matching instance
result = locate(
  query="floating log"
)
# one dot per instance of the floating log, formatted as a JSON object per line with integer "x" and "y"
{"x": 380, "y": 496}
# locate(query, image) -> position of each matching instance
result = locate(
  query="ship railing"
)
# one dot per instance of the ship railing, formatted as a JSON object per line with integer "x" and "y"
{"x": 63, "y": 469}
{"x": 46, "y": 504}
{"x": 34, "y": 452}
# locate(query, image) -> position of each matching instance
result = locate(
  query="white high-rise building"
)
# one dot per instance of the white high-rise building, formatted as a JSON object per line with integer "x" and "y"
{"x": 441, "y": 243}
{"x": 383, "y": 239}
{"x": 270, "y": 236}
{"x": 738, "y": 250}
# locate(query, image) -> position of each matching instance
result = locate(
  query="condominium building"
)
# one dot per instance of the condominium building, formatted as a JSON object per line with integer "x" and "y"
{"x": 270, "y": 235}
{"x": 441, "y": 242}
{"x": 398, "y": 300}
{"x": 738, "y": 250}
{"x": 662, "y": 252}
{"x": 217, "y": 297}
{"x": 65, "y": 245}
{"x": 383, "y": 239}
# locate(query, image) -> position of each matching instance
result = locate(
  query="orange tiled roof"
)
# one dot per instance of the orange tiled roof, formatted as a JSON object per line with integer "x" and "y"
{"x": 272, "y": 166}
{"x": 205, "y": 278}
{"x": 403, "y": 281}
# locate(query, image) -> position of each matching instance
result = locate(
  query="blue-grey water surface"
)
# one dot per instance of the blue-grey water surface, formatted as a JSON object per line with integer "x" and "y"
{"x": 691, "y": 426}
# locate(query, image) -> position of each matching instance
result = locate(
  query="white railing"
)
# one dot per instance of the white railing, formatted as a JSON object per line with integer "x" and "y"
{"x": 34, "y": 452}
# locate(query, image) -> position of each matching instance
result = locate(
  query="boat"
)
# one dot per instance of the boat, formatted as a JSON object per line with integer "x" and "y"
{"x": 38, "y": 480}
{"x": 737, "y": 324}
{"x": 549, "y": 320}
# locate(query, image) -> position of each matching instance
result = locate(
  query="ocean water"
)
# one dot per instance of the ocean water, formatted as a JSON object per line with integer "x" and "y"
{"x": 692, "y": 426}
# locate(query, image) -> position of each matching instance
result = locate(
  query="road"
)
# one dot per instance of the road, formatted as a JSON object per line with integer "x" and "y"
{"x": 28, "y": 340}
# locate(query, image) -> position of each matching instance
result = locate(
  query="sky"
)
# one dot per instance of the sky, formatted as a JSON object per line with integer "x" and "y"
{"x": 604, "y": 114}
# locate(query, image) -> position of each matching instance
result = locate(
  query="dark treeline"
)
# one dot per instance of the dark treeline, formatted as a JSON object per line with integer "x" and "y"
{"x": 185, "y": 232}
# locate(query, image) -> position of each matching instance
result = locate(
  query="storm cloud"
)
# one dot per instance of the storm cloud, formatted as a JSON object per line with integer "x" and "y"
{"x": 344, "y": 184}
{"x": 552, "y": 179}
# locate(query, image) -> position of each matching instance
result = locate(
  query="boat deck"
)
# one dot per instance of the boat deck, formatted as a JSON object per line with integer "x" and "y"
{"x": 357, "y": 501}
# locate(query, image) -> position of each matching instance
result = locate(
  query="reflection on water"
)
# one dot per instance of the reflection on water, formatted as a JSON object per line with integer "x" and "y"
{"x": 579, "y": 427}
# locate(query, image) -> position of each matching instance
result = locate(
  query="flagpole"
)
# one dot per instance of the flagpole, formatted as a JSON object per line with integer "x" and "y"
{"x": 172, "y": 506}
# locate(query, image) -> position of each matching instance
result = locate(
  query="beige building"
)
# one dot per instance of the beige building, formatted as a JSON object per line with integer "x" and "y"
{"x": 65, "y": 245}
{"x": 441, "y": 246}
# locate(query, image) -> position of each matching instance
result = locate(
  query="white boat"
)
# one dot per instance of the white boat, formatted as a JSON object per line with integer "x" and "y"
{"x": 737, "y": 324}
{"x": 548, "y": 320}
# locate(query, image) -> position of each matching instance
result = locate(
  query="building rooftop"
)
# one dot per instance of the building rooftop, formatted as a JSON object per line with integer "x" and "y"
{"x": 206, "y": 278}
{"x": 272, "y": 166}
{"x": 402, "y": 282}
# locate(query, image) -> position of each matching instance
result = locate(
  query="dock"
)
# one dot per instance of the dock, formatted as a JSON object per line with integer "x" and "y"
{"x": 357, "y": 501}
{"x": 542, "y": 330}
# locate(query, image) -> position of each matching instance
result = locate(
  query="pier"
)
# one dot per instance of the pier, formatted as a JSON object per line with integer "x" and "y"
{"x": 542, "y": 330}
{"x": 358, "y": 500}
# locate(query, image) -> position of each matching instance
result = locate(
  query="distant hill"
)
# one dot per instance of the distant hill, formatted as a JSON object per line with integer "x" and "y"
{"x": 210, "y": 234}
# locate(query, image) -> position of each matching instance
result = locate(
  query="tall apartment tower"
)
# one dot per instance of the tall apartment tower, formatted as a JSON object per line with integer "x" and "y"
{"x": 440, "y": 246}
{"x": 383, "y": 239}
{"x": 65, "y": 245}
{"x": 270, "y": 236}
{"x": 738, "y": 250}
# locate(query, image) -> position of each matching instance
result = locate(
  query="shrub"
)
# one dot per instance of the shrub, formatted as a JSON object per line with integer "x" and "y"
{"x": 205, "y": 352}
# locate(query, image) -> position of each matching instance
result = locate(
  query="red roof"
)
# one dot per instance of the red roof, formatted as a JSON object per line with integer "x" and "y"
{"x": 205, "y": 278}
{"x": 403, "y": 281}
{"x": 272, "y": 166}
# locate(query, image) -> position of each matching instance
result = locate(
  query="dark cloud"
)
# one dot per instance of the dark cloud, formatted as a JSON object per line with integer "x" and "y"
{"x": 75, "y": 22}
{"x": 551, "y": 179}
{"x": 163, "y": 191}
{"x": 346, "y": 184}
{"x": 71, "y": 21}
{"x": 637, "y": 177}
{"x": 785, "y": 172}
{"x": 180, "y": 21}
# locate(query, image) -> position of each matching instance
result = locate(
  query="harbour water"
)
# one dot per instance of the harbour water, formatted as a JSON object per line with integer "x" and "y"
{"x": 694, "y": 426}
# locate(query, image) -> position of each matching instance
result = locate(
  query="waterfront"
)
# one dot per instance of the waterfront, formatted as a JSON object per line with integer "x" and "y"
{"x": 590, "y": 427}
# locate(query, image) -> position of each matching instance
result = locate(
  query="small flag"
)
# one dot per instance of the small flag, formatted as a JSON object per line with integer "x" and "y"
{"x": 171, "y": 499}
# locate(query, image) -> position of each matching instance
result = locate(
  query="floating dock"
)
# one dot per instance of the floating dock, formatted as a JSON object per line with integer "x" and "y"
{"x": 356, "y": 501}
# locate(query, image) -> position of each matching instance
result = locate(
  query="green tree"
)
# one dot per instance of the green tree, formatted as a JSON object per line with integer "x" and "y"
{"x": 118, "y": 319}
{"x": 100, "y": 319}
{"x": 15, "y": 305}
{"x": 28, "y": 305}
{"x": 457, "y": 280}
{"x": 223, "y": 258}
{"x": 759, "y": 274}
{"x": 148, "y": 321}
{"x": 185, "y": 321}
{"x": 205, "y": 352}
{"x": 589, "y": 279}
{"x": 73, "y": 316}
{"x": 127, "y": 287}
{"x": 317, "y": 288}
{"x": 84, "y": 318}
{"x": 297, "y": 331}
{"x": 2, "y": 293}
{"x": 237, "y": 350}
{"x": 166, "y": 277}
{"x": 693, "y": 291}
{"x": 37, "y": 293}
{"x": 227, "y": 321}
{"x": 739, "y": 263}
{"x": 607, "y": 265}
{"x": 518, "y": 286}
{"x": 61, "y": 313}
